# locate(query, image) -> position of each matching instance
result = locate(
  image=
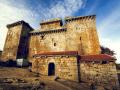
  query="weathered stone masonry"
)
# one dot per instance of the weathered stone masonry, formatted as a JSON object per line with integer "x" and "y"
{"x": 78, "y": 34}
{"x": 65, "y": 64}
{"x": 16, "y": 44}
{"x": 70, "y": 51}
{"x": 96, "y": 69}
{"x": 100, "y": 70}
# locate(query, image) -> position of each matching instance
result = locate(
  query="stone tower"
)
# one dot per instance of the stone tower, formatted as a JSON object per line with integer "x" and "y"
{"x": 82, "y": 35}
{"x": 16, "y": 44}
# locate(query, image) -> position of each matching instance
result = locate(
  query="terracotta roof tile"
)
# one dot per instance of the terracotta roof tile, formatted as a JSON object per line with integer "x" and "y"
{"x": 99, "y": 57}
{"x": 96, "y": 57}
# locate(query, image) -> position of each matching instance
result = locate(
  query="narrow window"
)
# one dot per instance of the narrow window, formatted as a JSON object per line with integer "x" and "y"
{"x": 54, "y": 44}
{"x": 80, "y": 38}
{"x": 42, "y": 37}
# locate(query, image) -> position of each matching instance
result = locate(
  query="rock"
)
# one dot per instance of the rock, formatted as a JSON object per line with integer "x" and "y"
{"x": 21, "y": 81}
{"x": 100, "y": 88}
{"x": 56, "y": 78}
{"x": 108, "y": 87}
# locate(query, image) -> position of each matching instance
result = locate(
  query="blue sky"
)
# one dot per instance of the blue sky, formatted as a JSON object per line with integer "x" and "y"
{"x": 33, "y": 11}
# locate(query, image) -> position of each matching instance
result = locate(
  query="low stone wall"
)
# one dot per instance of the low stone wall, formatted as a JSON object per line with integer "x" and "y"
{"x": 65, "y": 66}
{"x": 104, "y": 74}
{"x": 101, "y": 73}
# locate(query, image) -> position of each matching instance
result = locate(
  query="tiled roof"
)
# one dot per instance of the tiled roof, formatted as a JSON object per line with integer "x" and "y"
{"x": 96, "y": 57}
{"x": 99, "y": 57}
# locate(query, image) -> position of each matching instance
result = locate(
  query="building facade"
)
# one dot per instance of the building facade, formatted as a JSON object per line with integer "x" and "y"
{"x": 70, "y": 50}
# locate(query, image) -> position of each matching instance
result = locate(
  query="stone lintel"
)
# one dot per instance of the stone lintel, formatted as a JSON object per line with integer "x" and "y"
{"x": 67, "y": 19}
{"x": 19, "y": 23}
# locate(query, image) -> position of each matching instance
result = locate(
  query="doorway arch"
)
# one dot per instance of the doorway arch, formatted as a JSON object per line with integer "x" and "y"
{"x": 51, "y": 69}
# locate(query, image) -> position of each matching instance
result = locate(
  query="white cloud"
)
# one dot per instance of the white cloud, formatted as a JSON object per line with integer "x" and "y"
{"x": 108, "y": 31}
{"x": 113, "y": 45}
{"x": 62, "y": 8}
{"x": 10, "y": 14}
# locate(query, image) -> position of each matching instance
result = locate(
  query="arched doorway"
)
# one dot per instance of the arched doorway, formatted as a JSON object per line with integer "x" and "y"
{"x": 51, "y": 69}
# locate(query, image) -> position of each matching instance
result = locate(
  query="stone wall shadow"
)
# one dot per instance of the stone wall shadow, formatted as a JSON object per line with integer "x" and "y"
{"x": 9, "y": 63}
{"x": 78, "y": 67}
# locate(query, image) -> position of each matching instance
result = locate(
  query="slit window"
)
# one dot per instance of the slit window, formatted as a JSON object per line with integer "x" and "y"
{"x": 80, "y": 38}
{"x": 42, "y": 37}
{"x": 54, "y": 44}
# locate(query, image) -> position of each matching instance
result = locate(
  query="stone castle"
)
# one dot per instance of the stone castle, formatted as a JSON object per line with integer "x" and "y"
{"x": 70, "y": 50}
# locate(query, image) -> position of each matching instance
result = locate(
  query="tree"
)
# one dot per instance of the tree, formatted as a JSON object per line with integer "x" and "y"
{"x": 106, "y": 50}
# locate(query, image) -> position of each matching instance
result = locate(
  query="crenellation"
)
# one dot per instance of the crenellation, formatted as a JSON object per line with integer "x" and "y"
{"x": 68, "y": 19}
{"x": 51, "y": 21}
{"x": 19, "y": 23}
{"x": 51, "y": 24}
{"x": 48, "y": 32}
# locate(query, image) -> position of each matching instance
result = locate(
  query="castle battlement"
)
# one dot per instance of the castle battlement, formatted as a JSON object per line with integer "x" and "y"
{"x": 19, "y": 23}
{"x": 67, "y": 19}
{"x": 48, "y": 32}
{"x": 51, "y": 24}
{"x": 58, "y": 23}
{"x": 51, "y": 21}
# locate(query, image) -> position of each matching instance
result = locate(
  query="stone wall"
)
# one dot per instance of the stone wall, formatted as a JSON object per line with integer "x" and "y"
{"x": 47, "y": 43}
{"x": 65, "y": 66}
{"x": 51, "y": 24}
{"x": 82, "y": 35}
{"x": 23, "y": 47}
{"x": 16, "y": 44}
{"x": 100, "y": 74}
{"x": 11, "y": 43}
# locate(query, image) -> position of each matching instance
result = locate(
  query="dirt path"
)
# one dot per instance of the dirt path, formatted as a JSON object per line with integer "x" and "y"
{"x": 52, "y": 85}
{"x": 23, "y": 79}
